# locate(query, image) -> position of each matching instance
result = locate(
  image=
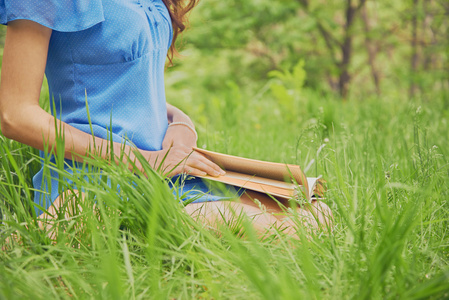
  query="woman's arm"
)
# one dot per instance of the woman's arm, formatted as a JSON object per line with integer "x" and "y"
{"x": 24, "y": 59}
{"x": 181, "y": 134}
{"x": 22, "y": 119}
{"x": 174, "y": 114}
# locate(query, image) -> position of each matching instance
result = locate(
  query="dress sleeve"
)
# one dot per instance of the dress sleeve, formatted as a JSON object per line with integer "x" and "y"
{"x": 59, "y": 15}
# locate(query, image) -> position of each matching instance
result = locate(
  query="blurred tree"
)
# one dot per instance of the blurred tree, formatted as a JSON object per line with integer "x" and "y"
{"x": 414, "y": 45}
{"x": 348, "y": 46}
{"x": 371, "y": 49}
{"x": 340, "y": 50}
{"x": 429, "y": 43}
{"x": 355, "y": 46}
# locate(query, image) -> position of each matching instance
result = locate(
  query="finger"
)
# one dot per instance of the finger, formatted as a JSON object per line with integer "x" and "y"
{"x": 203, "y": 164}
{"x": 194, "y": 171}
{"x": 195, "y": 160}
{"x": 212, "y": 165}
{"x": 187, "y": 170}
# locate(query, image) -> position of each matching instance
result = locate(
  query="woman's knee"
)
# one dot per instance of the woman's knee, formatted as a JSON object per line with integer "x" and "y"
{"x": 321, "y": 212}
{"x": 232, "y": 214}
{"x": 314, "y": 215}
{"x": 67, "y": 201}
{"x": 266, "y": 215}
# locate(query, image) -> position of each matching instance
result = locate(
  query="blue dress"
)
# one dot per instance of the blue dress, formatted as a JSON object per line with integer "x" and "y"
{"x": 113, "y": 54}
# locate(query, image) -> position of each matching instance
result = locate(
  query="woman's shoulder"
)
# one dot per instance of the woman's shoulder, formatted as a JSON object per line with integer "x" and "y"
{"x": 64, "y": 16}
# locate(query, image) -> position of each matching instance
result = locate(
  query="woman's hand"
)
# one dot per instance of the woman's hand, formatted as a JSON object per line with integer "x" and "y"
{"x": 179, "y": 135}
{"x": 180, "y": 157}
{"x": 183, "y": 159}
{"x": 177, "y": 147}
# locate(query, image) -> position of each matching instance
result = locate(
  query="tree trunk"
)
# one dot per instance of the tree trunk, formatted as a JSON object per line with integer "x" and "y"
{"x": 371, "y": 50}
{"x": 345, "y": 46}
{"x": 346, "y": 50}
{"x": 414, "y": 44}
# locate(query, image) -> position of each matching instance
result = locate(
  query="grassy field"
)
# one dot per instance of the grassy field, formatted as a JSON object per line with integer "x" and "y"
{"x": 386, "y": 162}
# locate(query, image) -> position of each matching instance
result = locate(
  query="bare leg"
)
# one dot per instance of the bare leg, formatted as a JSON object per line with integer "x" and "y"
{"x": 230, "y": 213}
{"x": 312, "y": 216}
{"x": 46, "y": 221}
{"x": 211, "y": 214}
{"x": 322, "y": 213}
{"x": 65, "y": 202}
{"x": 265, "y": 214}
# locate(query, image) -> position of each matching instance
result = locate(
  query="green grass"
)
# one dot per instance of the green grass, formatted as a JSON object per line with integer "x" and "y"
{"x": 386, "y": 162}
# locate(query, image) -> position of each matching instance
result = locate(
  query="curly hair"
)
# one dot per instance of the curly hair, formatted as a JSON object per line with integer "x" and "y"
{"x": 178, "y": 10}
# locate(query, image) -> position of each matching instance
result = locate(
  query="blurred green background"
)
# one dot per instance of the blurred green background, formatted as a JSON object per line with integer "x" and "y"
{"x": 245, "y": 62}
{"x": 345, "y": 48}
{"x": 348, "y": 48}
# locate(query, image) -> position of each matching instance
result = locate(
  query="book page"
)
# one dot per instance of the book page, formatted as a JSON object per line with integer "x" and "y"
{"x": 276, "y": 188}
{"x": 271, "y": 170}
{"x": 313, "y": 183}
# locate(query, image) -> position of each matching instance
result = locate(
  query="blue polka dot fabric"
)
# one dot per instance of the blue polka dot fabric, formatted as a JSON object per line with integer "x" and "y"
{"x": 61, "y": 15}
{"x": 110, "y": 53}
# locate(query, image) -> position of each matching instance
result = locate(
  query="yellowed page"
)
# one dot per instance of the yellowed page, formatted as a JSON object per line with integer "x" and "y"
{"x": 281, "y": 173}
{"x": 259, "y": 184}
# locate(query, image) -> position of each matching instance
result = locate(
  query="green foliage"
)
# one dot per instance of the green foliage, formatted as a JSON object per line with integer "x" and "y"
{"x": 289, "y": 84}
{"x": 2, "y": 36}
{"x": 386, "y": 165}
{"x": 252, "y": 38}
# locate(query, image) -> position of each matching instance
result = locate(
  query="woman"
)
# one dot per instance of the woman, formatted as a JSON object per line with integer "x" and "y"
{"x": 111, "y": 53}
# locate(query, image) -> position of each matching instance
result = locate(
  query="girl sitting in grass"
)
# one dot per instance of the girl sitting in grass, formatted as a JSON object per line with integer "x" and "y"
{"x": 113, "y": 54}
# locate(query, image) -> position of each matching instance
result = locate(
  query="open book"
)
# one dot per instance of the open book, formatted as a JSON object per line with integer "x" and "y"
{"x": 279, "y": 180}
